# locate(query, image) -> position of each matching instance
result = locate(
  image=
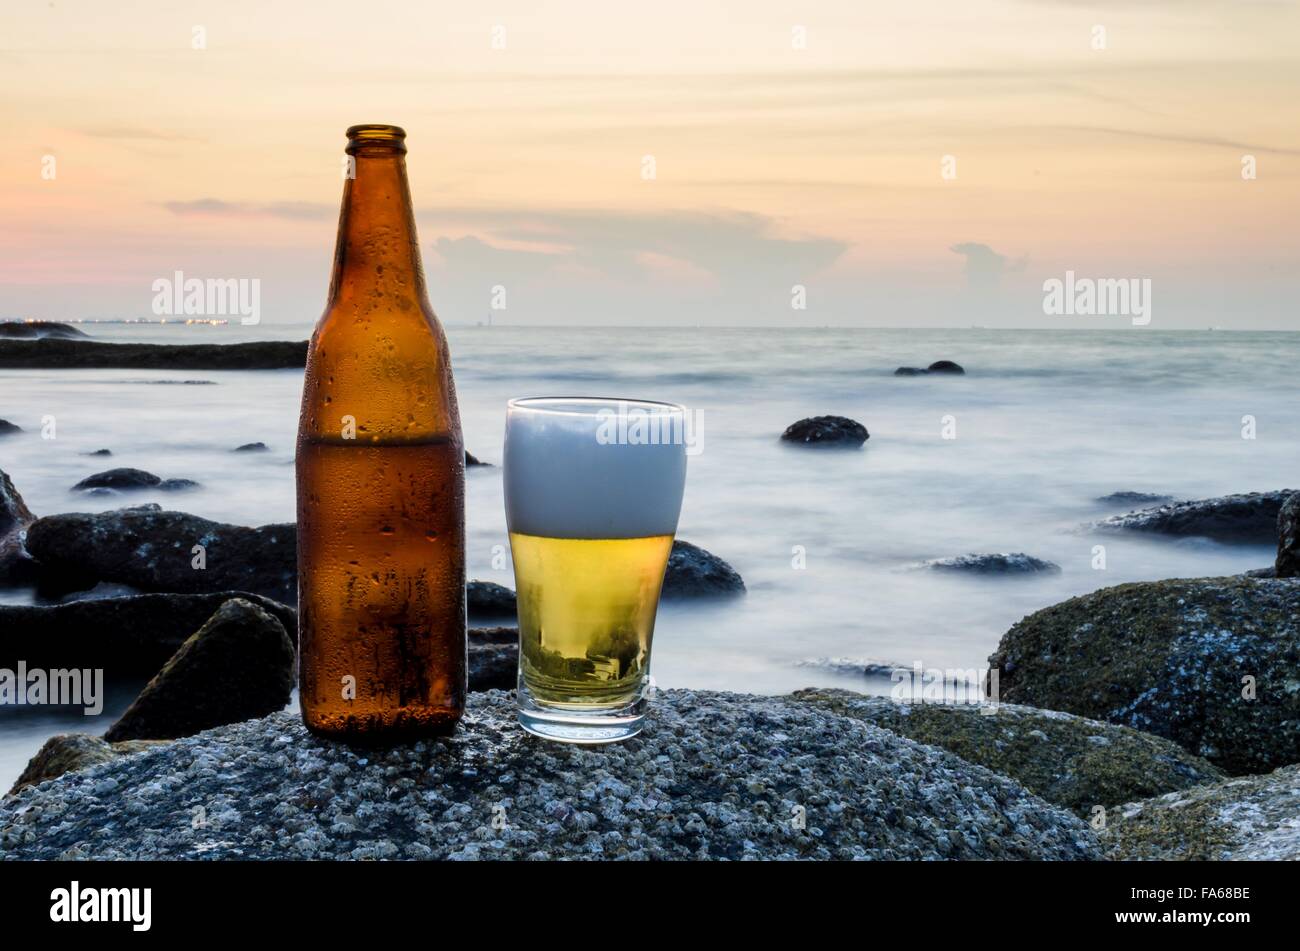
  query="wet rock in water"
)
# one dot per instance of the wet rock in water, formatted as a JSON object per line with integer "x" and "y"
{"x": 237, "y": 666}
{"x": 693, "y": 572}
{"x": 713, "y": 776}
{"x": 1250, "y": 818}
{"x": 1250, "y": 518}
{"x": 99, "y": 452}
{"x": 1070, "y": 761}
{"x": 487, "y": 599}
{"x": 38, "y": 330}
{"x": 85, "y": 354}
{"x": 995, "y": 563}
{"x": 152, "y": 550}
{"x": 126, "y": 479}
{"x": 939, "y": 366}
{"x": 471, "y": 460}
{"x": 72, "y": 751}
{"x": 826, "y": 431}
{"x": 7, "y": 428}
{"x": 1134, "y": 498}
{"x": 493, "y": 658}
{"x": 1288, "y": 539}
{"x": 1169, "y": 657}
{"x": 128, "y": 637}
{"x": 252, "y": 447}
{"x": 101, "y": 591}
{"x": 16, "y": 566}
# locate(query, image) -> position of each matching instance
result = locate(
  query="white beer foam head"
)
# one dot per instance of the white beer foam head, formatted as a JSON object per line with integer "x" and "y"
{"x": 592, "y": 468}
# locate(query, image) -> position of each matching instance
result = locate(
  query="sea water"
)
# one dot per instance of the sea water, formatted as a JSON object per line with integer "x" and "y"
{"x": 1010, "y": 457}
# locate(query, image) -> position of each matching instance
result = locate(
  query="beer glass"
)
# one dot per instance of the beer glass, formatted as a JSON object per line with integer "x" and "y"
{"x": 593, "y": 489}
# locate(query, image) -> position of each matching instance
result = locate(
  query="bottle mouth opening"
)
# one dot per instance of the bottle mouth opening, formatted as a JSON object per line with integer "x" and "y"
{"x": 374, "y": 136}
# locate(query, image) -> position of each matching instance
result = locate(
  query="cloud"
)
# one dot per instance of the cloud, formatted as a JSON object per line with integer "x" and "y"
{"x": 1212, "y": 141}
{"x": 984, "y": 266}
{"x": 138, "y": 134}
{"x": 291, "y": 210}
{"x": 622, "y": 266}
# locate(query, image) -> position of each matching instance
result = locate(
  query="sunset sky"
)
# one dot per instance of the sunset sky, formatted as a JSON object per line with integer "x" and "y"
{"x": 774, "y": 165}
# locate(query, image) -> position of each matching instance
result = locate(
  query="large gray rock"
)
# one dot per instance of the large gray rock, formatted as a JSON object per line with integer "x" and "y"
{"x": 237, "y": 666}
{"x": 1247, "y": 518}
{"x": 72, "y": 751}
{"x": 1251, "y": 818}
{"x": 1210, "y": 663}
{"x": 1071, "y": 761}
{"x": 128, "y": 637}
{"x": 1288, "y": 539}
{"x": 16, "y": 566}
{"x": 152, "y": 550}
{"x": 713, "y": 776}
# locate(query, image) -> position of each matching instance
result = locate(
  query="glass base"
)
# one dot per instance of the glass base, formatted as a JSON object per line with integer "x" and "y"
{"x": 579, "y": 725}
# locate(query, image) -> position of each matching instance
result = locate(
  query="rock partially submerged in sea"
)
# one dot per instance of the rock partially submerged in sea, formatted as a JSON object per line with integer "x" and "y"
{"x": 945, "y": 366}
{"x": 8, "y": 429}
{"x": 50, "y": 354}
{"x": 693, "y": 572}
{"x": 1071, "y": 761}
{"x": 1250, "y": 818}
{"x": 838, "y": 432}
{"x": 939, "y": 366}
{"x": 1210, "y": 663}
{"x": 128, "y": 637}
{"x": 252, "y": 447}
{"x": 1135, "y": 498}
{"x": 487, "y": 599}
{"x": 68, "y": 752}
{"x": 237, "y": 666}
{"x": 1247, "y": 518}
{"x": 994, "y": 563}
{"x": 471, "y": 460}
{"x": 39, "y": 330}
{"x": 1288, "y": 539}
{"x": 16, "y": 566}
{"x": 493, "y": 658}
{"x": 713, "y": 776}
{"x": 152, "y": 550}
{"x": 125, "y": 479}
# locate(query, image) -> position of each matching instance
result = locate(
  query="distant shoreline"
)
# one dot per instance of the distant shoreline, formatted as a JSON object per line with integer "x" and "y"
{"x": 58, "y": 354}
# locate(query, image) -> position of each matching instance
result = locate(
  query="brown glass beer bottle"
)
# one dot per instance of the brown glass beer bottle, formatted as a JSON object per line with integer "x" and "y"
{"x": 381, "y": 479}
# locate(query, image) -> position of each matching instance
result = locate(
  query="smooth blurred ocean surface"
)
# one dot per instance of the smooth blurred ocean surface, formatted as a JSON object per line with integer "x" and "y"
{"x": 1046, "y": 421}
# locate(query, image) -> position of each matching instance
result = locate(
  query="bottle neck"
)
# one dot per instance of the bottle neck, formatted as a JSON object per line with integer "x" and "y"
{"x": 377, "y": 254}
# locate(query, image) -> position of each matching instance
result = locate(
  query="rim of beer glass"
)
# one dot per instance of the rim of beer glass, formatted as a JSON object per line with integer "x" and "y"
{"x": 539, "y": 404}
